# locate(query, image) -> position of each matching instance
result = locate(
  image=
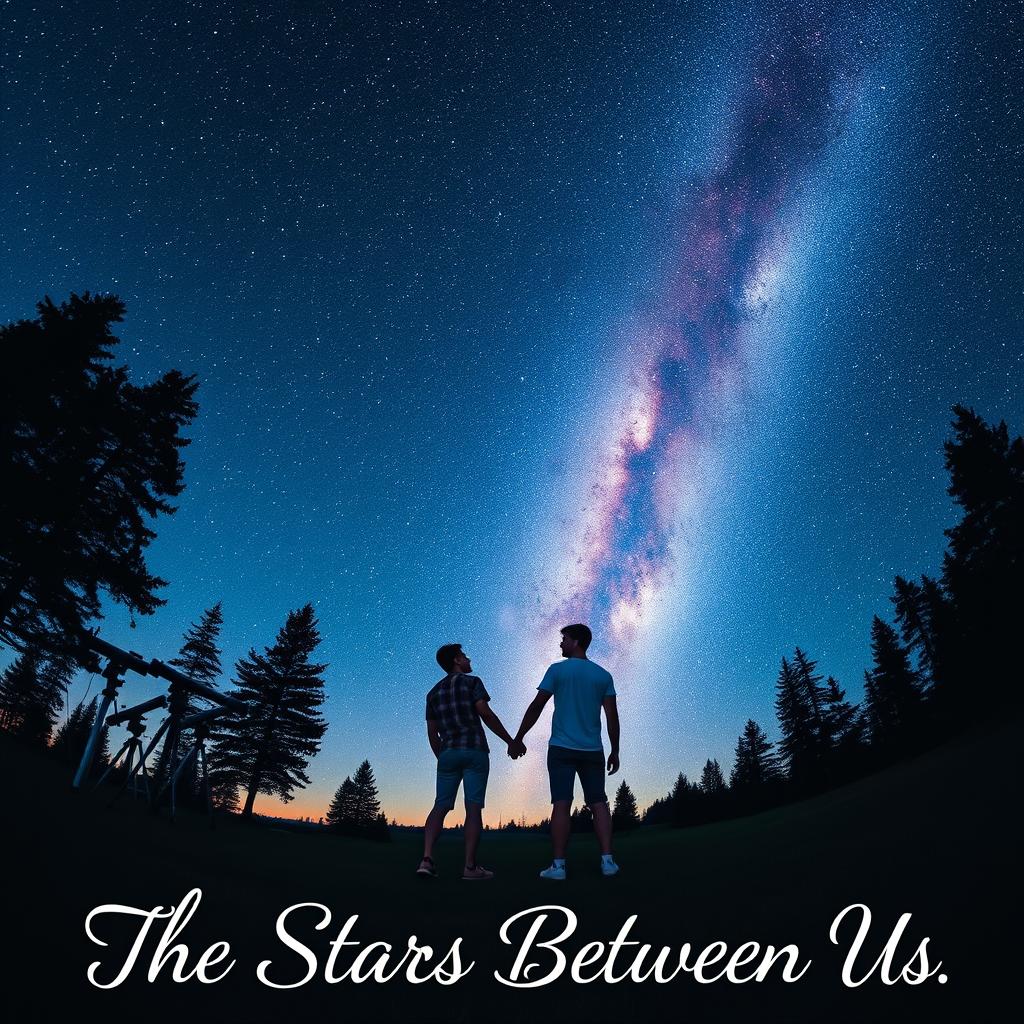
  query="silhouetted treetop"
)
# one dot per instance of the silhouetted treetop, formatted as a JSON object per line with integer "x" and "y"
{"x": 87, "y": 459}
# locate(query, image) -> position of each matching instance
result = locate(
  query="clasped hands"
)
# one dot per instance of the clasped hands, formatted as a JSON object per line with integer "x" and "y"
{"x": 516, "y": 749}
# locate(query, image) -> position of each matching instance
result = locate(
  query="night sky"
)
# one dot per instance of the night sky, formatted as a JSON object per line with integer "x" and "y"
{"x": 508, "y": 315}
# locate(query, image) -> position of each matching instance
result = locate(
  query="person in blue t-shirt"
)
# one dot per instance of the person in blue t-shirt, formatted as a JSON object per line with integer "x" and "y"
{"x": 581, "y": 688}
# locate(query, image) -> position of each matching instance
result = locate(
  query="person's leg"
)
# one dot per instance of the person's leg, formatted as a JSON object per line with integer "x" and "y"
{"x": 591, "y": 769}
{"x": 602, "y": 825}
{"x": 448, "y": 779}
{"x": 474, "y": 781}
{"x": 432, "y": 829}
{"x": 560, "y": 827}
{"x": 474, "y": 825}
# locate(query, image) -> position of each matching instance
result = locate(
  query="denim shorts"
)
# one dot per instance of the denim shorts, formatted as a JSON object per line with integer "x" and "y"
{"x": 469, "y": 767}
{"x": 563, "y": 767}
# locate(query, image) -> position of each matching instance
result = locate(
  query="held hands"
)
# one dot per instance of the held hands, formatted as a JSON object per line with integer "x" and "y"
{"x": 516, "y": 749}
{"x": 613, "y": 762}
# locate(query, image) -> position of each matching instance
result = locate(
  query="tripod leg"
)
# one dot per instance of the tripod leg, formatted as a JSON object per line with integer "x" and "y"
{"x": 179, "y": 770}
{"x": 113, "y": 763}
{"x": 141, "y": 766}
{"x": 165, "y": 766}
{"x": 130, "y": 766}
{"x": 206, "y": 782}
{"x": 90, "y": 748}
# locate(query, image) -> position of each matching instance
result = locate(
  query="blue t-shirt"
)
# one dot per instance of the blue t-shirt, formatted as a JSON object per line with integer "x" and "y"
{"x": 578, "y": 686}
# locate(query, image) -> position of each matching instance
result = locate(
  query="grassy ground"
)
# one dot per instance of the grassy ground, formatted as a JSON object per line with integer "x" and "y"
{"x": 928, "y": 836}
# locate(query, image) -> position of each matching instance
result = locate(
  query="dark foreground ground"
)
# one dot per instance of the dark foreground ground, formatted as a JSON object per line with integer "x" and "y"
{"x": 935, "y": 837}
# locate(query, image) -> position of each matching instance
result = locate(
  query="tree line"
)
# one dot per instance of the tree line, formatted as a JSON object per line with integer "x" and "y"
{"x": 948, "y": 659}
{"x": 88, "y": 460}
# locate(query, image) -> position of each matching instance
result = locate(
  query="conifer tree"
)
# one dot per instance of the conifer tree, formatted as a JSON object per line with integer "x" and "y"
{"x": 31, "y": 696}
{"x": 625, "y": 815}
{"x": 799, "y": 746}
{"x": 682, "y": 801}
{"x": 839, "y": 717}
{"x": 199, "y": 655}
{"x": 891, "y": 687}
{"x": 658, "y": 811}
{"x": 199, "y": 659}
{"x": 86, "y": 459}
{"x": 341, "y": 813}
{"x": 73, "y": 735}
{"x": 712, "y": 782}
{"x": 581, "y": 819}
{"x": 914, "y": 621}
{"x": 379, "y": 829}
{"x": 268, "y": 751}
{"x": 810, "y": 680}
{"x": 367, "y": 805}
{"x": 712, "y": 792}
{"x": 756, "y": 765}
{"x": 983, "y": 568}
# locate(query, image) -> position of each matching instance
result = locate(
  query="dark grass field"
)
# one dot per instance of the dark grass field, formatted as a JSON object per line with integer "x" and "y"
{"x": 934, "y": 836}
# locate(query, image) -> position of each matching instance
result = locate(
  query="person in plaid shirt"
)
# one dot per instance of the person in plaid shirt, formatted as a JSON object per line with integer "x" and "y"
{"x": 457, "y": 710}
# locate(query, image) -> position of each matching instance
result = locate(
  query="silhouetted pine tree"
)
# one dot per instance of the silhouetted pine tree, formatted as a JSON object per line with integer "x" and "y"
{"x": 756, "y": 765}
{"x": 713, "y": 792}
{"x": 269, "y": 750}
{"x": 658, "y": 812}
{"x": 625, "y": 815}
{"x": 983, "y": 568}
{"x": 199, "y": 655}
{"x": 86, "y": 459}
{"x": 800, "y": 744}
{"x": 839, "y": 716}
{"x": 199, "y": 659}
{"x": 367, "y": 805}
{"x": 810, "y": 680}
{"x": 914, "y": 616}
{"x": 73, "y": 735}
{"x": 31, "y": 696}
{"x": 684, "y": 802}
{"x": 341, "y": 814}
{"x": 712, "y": 782}
{"x": 891, "y": 691}
{"x": 378, "y": 829}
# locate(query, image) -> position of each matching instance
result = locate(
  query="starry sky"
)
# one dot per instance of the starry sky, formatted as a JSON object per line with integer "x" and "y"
{"x": 512, "y": 314}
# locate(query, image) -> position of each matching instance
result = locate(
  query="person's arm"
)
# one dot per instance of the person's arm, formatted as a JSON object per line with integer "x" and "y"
{"x": 493, "y": 722}
{"x": 533, "y": 713}
{"x": 434, "y": 737}
{"x": 611, "y": 714}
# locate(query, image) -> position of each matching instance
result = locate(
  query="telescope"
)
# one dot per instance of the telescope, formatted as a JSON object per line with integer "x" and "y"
{"x": 202, "y": 716}
{"x": 120, "y": 661}
{"x": 133, "y": 719}
{"x": 126, "y": 659}
{"x": 137, "y": 711}
{"x": 131, "y": 660}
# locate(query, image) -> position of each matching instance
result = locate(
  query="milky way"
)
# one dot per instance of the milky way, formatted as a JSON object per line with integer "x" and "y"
{"x": 685, "y": 350}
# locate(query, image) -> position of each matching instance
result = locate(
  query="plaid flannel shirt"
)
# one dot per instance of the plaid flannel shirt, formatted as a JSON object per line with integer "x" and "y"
{"x": 450, "y": 703}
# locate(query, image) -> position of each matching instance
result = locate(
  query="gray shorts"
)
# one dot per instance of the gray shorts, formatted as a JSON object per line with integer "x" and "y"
{"x": 563, "y": 767}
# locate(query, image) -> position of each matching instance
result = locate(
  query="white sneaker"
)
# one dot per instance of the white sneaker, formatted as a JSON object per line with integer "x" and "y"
{"x": 609, "y": 868}
{"x": 555, "y": 874}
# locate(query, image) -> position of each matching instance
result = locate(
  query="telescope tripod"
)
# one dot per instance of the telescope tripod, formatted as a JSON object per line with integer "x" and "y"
{"x": 130, "y": 749}
{"x": 200, "y": 725}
